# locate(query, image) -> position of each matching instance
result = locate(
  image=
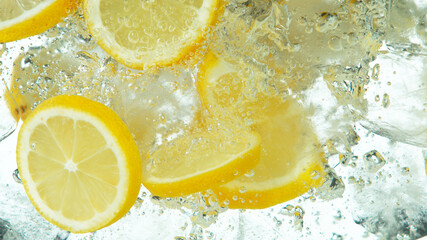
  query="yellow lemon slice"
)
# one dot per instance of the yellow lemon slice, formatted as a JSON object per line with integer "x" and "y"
{"x": 21, "y": 19}
{"x": 149, "y": 33}
{"x": 206, "y": 157}
{"x": 290, "y": 162}
{"x": 79, "y": 164}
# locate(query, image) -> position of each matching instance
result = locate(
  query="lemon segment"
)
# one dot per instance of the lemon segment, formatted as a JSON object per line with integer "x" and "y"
{"x": 290, "y": 162}
{"x": 142, "y": 34}
{"x": 79, "y": 164}
{"x": 204, "y": 158}
{"x": 21, "y": 19}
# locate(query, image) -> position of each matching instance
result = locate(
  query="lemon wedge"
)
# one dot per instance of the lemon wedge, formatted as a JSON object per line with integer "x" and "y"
{"x": 21, "y": 19}
{"x": 141, "y": 34}
{"x": 290, "y": 162}
{"x": 79, "y": 164}
{"x": 207, "y": 156}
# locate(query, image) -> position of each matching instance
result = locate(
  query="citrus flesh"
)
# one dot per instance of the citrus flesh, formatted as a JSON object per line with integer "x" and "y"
{"x": 142, "y": 34}
{"x": 78, "y": 163}
{"x": 290, "y": 162}
{"x": 21, "y": 19}
{"x": 207, "y": 156}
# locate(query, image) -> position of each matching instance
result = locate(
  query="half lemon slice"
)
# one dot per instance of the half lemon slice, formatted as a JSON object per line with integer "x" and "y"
{"x": 207, "y": 156}
{"x": 79, "y": 164}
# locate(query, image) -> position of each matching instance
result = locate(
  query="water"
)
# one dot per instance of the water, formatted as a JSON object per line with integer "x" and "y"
{"x": 357, "y": 66}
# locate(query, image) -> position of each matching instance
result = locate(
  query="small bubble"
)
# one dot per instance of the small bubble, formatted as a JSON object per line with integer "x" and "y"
{"x": 277, "y": 221}
{"x": 336, "y": 236}
{"x": 302, "y": 21}
{"x": 235, "y": 198}
{"x": 377, "y": 98}
{"x": 162, "y": 118}
{"x": 308, "y": 30}
{"x": 242, "y": 189}
{"x": 138, "y": 202}
{"x": 16, "y": 176}
{"x": 386, "y": 100}
{"x": 133, "y": 37}
{"x": 335, "y": 43}
{"x": 287, "y": 210}
{"x": 338, "y": 215}
{"x": 326, "y": 22}
{"x": 375, "y": 72}
{"x": 250, "y": 173}
{"x": 404, "y": 170}
{"x": 299, "y": 212}
{"x": 171, "y": 28}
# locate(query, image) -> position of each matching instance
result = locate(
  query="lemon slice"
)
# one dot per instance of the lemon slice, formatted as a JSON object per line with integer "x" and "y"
{"x": 290, "y": 162}
{"x": 79, "y": 164}
{"x": 21, "y": 19}
{"x": 146, "y": 33}
{"x": 206, "y": 157}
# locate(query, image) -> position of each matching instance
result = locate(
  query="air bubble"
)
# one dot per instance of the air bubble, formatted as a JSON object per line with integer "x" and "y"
{"x": 250, "y": 173}
{"x": 162, "y": 118}
{"x": 335, "y": 43}
{"x": 133, "y": 37}
{"x": 277, "y": 221}
{"x": 242, "y": 189}
{"x": 386, "y": 100}
{"x": 404, "y": 170}
{"x": 326, "y": 22}
{"x": 336, "y": 236}
{"x": 287, "y": 210}
{"x": 375, "y": 72}
{"x": 16, "y": 176}
{"x": 308, "y": 29}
